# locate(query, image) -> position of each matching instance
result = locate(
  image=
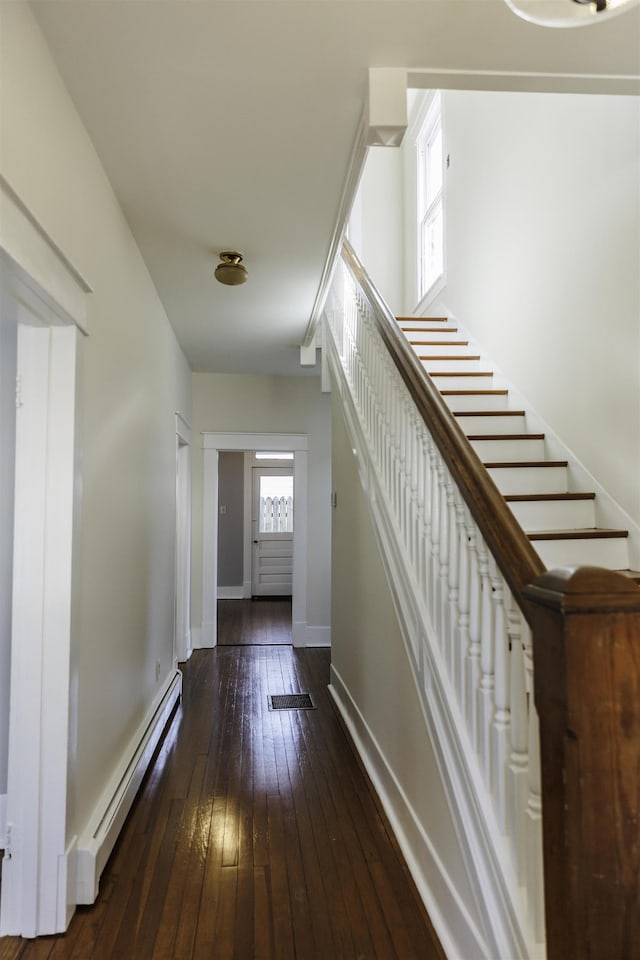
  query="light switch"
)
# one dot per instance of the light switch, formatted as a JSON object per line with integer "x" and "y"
{"x": 223, "y": 509}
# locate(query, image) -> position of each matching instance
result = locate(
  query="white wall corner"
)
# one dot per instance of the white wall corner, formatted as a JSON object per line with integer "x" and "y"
{"x": 96, "y": 842}
{"x": 3, "y": 821}
{"x": 387, "y": 114}
{"x": 308, "y": 353}
{"x": 303, "y": 635}
{"x": 231, "y": 593}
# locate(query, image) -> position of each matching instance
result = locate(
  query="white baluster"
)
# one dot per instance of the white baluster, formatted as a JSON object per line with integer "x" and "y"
{"x": 487, "y": 679}
{"x": 472, "y": 672}
{"x": 535, "y": 881}
{"x": 435, "y": 538}
{"x": 443, "y": 575}
{"x": 462, "y": 636}
{"x": 519, "y": 759}
{"x": 500, "y": 751}
{"x": 452, "y": 577}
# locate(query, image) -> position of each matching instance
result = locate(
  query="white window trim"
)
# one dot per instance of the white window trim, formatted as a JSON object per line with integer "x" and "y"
{"x": 428, "y": 103}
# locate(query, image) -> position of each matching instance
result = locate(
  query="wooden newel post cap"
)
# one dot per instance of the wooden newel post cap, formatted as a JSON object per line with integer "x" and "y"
{"x": 576, "y": 589}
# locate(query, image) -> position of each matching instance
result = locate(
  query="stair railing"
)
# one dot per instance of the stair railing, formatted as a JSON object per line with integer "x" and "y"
{"x": 469, "y": 587}
{"x": 460, "y": 564}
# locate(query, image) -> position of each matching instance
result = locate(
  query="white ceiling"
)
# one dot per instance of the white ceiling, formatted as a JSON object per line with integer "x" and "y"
{"x": 228, "y": 124}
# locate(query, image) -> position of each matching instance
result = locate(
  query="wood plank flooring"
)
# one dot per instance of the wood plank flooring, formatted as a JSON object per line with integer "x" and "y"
{"x": 255, "y": 835}
{"x": 263, "y": 620}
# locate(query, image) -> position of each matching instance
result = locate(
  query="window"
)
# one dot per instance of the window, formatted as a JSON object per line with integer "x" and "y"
{"x": 430, "y": 164}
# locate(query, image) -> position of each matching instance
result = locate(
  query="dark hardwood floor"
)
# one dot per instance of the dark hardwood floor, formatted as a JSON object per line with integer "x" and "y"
{"x": 255, "y": 835}
{"x": 263, "y": 620}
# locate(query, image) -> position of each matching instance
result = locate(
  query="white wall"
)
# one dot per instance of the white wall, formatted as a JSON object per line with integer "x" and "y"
{"x": 232, "y": 403}
{"x": 543, "y": 251}
{"x": 134, "y": 379}
{"x": 376, "y": 224}
{"x": 8, "y": 357}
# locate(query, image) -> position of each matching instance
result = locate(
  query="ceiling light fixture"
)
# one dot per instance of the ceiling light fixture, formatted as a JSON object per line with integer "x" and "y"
{"x": 230, "y": 271}
{"x": 568, "y": 13}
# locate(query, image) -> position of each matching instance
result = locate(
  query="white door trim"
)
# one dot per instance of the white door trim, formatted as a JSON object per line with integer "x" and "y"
{"x": 212, "y": 444}
{"x": 48, "y": 298}
{"x": 182, "y": 619}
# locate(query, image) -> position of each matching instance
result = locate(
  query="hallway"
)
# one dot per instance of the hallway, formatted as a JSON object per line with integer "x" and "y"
{"x": 254, "y": 835}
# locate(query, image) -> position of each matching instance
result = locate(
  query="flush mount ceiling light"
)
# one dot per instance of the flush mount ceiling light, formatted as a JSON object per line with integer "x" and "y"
{"x": 230, "y": 271}
{"x": 569, "y": 13}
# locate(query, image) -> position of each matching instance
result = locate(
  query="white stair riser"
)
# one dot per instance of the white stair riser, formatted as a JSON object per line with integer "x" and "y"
{"x": 462, "y": 383}
{"x": 447, "y": 333}
{"x": 474, "y": 402}
{"x": 455, "y": 364}
{"x": 554, "y": 514}
{"x": 420, "y": 322}
{"x": 444, "y": 349}
{"x": 612, "y": 553}
{"x": 505, "y": 424}
{"x": 489, "y": 450}
{"x": 530, "y": 479}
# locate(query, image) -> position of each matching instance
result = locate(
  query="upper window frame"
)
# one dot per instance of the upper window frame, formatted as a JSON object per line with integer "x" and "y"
{"x": 427, "y": 121}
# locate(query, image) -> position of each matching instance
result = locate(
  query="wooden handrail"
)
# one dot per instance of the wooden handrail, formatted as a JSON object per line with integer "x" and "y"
{"x": 511, "y": 549}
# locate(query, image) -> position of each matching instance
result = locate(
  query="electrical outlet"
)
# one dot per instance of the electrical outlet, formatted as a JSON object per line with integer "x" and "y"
{"x": 223, "y": 509}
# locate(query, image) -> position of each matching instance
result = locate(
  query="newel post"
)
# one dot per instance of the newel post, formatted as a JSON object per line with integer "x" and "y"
{"x": 586, "y": 649}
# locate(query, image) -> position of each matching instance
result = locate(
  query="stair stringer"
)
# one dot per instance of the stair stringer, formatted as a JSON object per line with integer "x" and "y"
{"x": 500, "y": 900}
{"x": 608, "y": 511}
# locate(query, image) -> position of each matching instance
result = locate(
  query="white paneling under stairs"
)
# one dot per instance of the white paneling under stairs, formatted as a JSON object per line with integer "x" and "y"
{"x": 560, "y": 523}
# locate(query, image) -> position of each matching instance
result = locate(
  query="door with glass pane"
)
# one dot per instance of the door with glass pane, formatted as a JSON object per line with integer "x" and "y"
{"x": 272, "y": 520}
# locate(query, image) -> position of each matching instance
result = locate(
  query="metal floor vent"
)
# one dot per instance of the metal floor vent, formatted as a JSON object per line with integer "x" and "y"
{"x": 290, "y": 701}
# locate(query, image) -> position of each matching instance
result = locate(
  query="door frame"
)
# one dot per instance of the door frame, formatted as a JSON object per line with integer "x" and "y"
{"x": 49, "y": 298}
{"x": 213, "y": 444}
{"x": 266, "y": 468}
{"x": 182, "y": 615}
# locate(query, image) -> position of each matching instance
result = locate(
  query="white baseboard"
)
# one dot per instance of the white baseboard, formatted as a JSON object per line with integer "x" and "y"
{"x": 3, "y": 821}
{"x": 303, "y": 635}
{"x": 96, "y": 842}
{"x": 231, "y": 593}
{"x": 459, "y": 936}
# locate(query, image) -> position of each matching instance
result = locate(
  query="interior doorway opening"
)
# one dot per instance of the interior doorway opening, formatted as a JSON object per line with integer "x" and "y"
{"x": 255, "y": 547}
{"x": 264, "y": 451}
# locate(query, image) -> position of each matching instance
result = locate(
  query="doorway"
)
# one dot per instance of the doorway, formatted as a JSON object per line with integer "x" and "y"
{"x": 213, "y": 445}
{"x": 45, "y": 301}
{"x": 272, "y": 531}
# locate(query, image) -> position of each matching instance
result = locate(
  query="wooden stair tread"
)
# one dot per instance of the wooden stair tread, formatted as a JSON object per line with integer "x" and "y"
{"x": 475, "y": 393}
{"x": 422, "y": 330}
{"x": 438, "y": 343}
{"x": 489, "y": 413}
{"x": 460, "y": 373}
{"x": 631, "y": 574}
{"x": 448, "y": 356}
{"x": 505, "y": 436}
{"x": 528, "y": 463}
{"x": 590, "y": 533}
{"x": 546, "y": 497}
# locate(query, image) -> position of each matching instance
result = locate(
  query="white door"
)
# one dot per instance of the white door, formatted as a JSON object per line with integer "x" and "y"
{"x": 272, "y": 522}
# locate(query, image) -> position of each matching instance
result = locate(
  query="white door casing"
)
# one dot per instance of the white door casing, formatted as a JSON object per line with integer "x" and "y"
{"x": 212, "y": 443}
{"x": 48, "y": 298}
{"x": 182, "y": 630}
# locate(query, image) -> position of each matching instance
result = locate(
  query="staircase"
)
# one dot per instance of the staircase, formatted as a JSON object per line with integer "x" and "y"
{"x": 560, "y": 523}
